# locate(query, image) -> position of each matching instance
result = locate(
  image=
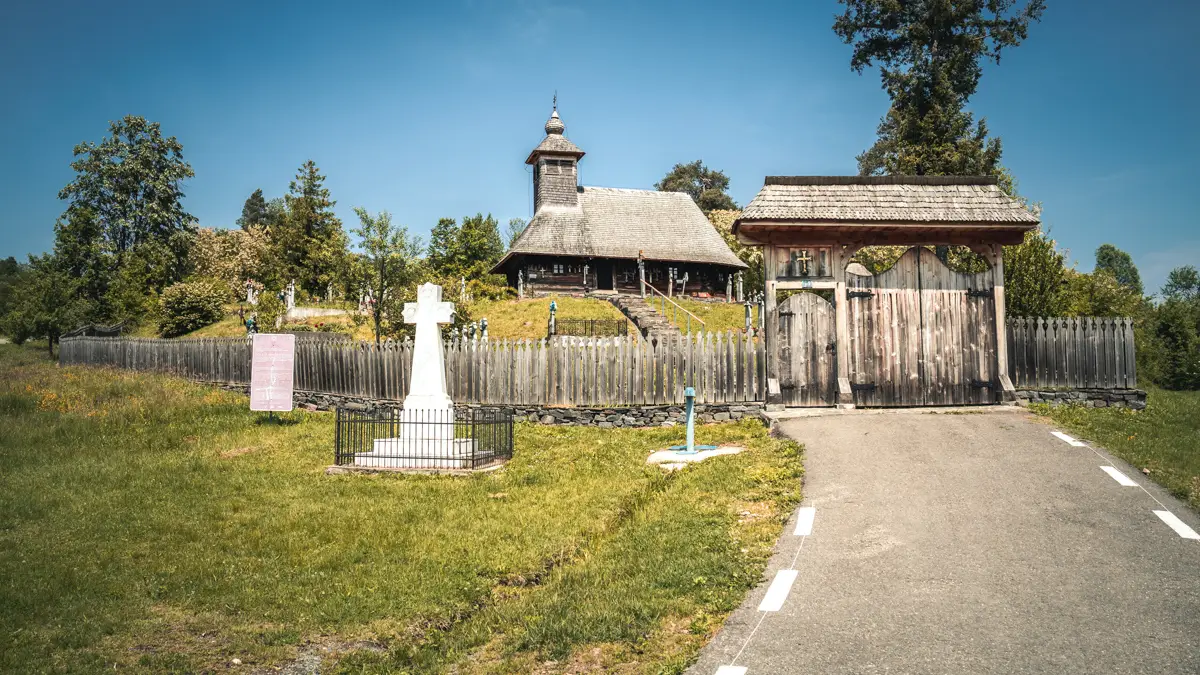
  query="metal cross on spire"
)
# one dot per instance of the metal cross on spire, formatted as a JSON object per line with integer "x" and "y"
{"x": 555, "y": 100}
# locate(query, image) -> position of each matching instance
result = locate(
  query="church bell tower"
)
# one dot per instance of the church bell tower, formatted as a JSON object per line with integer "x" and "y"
{"x": 555, "y": 163}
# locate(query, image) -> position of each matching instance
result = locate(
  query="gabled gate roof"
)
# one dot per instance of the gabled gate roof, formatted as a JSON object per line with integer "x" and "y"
{"x": 887, "y": 208}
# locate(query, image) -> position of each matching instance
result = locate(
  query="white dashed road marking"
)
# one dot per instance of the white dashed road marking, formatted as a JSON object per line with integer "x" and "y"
{"x": 778, "y": 592}
{"x": 1174, "y": 523}
{"x": 804, "y": 520}
{"x": 1118, "y": 476}
{"x": 1067, "y": 439}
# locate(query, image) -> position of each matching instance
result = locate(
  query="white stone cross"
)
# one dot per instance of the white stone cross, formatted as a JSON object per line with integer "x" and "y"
{"x": 427, "y": 389}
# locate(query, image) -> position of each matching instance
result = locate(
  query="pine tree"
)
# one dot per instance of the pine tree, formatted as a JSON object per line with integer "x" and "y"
{"x": 254, "y": 211}
{"x": 443, "y": 247}
{"x": 930, "y": 55}
{"x": 312, "y": 242}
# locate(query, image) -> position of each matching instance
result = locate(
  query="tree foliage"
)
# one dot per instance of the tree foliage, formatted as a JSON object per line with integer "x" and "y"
{"x": 389, "y": 257}
{"x": 754, "y": 278}
{"x": 707, "y": 187}
{"x": 310, "y": 240}
{"x": 130, "y": 189}
{"x": 46, "y": 303}
{"x": 1035, "y": 277}
{"x": 231, "y": 257}
{"x": 11, "y": 275}
{"x": 930, "y": 54}
{"x": 516, "y": 226}
{"x": 1183, "y": 283}
{"x": 187, "y": 306}
{"x": 468, "y": 250}
{"x": 1120, "y": 265}
{"x": 254, "y": 211}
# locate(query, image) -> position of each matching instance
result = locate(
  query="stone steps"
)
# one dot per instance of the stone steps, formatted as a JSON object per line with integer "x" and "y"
{"x": 649, "y": 321}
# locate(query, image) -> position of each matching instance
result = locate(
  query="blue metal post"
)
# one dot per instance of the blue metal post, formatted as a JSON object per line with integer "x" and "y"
{"x": 690, "y": 396}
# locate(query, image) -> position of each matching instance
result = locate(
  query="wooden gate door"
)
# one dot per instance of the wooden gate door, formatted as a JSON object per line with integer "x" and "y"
{"x": 921, "y": 334}
{"x": 807, "y": 360}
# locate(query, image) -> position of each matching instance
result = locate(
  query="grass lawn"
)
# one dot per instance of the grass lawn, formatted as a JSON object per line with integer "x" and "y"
{"x": 528, "y": 318}
{"x": 1165, "y": 437}
{"x": 717, "y": 316}
{"x": 148, "y": 524}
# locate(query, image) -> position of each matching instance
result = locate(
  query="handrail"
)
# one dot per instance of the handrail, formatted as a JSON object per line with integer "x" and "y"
{"x": 677, "y": 305}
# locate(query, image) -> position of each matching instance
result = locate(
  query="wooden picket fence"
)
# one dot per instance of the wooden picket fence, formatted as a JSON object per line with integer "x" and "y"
{"x": 1074, "y": 352}
{"x": 568, "y": 371}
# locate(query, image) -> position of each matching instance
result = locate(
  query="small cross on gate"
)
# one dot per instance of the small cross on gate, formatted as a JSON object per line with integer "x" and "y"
{"x": 804, "y": 259}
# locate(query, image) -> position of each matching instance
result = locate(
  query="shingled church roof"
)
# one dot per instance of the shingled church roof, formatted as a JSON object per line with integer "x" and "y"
{"x": 898, "y": 199}
{"x": 620, "y": 223}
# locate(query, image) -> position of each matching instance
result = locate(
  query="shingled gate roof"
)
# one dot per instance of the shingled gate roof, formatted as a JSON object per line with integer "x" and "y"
{"x": 897, "y": 199}
{"x": 618, "y": 223}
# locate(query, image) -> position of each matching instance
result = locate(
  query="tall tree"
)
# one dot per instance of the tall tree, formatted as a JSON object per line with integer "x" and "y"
{"x": 515, "y": 227}
{"x": 254, "y": 211}
{"x": 132, "y": 184}
{"x": 707, "y": 187}
{"x": 389, "y": 254}
{"x": 1120, "y": 264}
{"x": 930, "y": 54}
{"x": 312, "y": 240}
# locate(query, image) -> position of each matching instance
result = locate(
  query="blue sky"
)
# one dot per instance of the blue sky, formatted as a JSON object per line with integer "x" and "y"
{"x": 429, "y": 109}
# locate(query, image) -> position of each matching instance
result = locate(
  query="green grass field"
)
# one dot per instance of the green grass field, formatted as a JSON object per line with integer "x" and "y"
{"x": 528, "y": 318}
{"x": 717, "y": 316}
{"x": 1164, "y": 438}
{"x": 152, "y": 525}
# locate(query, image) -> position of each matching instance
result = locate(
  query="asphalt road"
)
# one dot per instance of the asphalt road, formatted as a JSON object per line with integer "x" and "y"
{"x": 970, "y": 543}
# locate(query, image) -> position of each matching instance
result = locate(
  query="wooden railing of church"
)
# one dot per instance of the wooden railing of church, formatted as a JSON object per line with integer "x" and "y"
{"x": 664, "y": 299}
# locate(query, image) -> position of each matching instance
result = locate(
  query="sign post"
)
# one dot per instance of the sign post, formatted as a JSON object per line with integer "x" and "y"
{"x": 271, "y": 372}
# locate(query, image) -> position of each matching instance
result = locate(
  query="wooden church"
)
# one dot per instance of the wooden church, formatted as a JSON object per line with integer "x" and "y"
{"x": 586, "y": 239}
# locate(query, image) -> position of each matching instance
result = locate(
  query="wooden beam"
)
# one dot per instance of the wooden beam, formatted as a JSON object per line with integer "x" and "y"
{"x": 772, "y": 324}
{"x": 801, "y": 284}
{"x": 1005, "y": 390}
{"x": 841, "y": 309}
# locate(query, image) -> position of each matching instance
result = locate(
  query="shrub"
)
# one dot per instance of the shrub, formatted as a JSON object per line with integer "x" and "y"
{"x": 296, "y": 328}
{"x": 270, "y": 311}
{"x": 189, "y": 305}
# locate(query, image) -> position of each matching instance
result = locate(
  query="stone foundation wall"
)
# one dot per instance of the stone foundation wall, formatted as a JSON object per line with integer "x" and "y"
{"x": 633, "y": 416}
{"x": 1091, "y": 398}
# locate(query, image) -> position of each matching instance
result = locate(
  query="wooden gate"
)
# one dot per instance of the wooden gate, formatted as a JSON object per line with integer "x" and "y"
{"x": 807, "y": 359}
{"x": 921, "y": 334}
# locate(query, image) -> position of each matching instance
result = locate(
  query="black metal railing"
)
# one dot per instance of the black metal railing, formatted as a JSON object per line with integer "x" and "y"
{"x": 463, "y": 438}
{"x": 592, "y": 327}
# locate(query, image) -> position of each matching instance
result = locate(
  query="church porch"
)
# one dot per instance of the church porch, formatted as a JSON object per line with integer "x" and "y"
{"x": 572, "y": 275}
